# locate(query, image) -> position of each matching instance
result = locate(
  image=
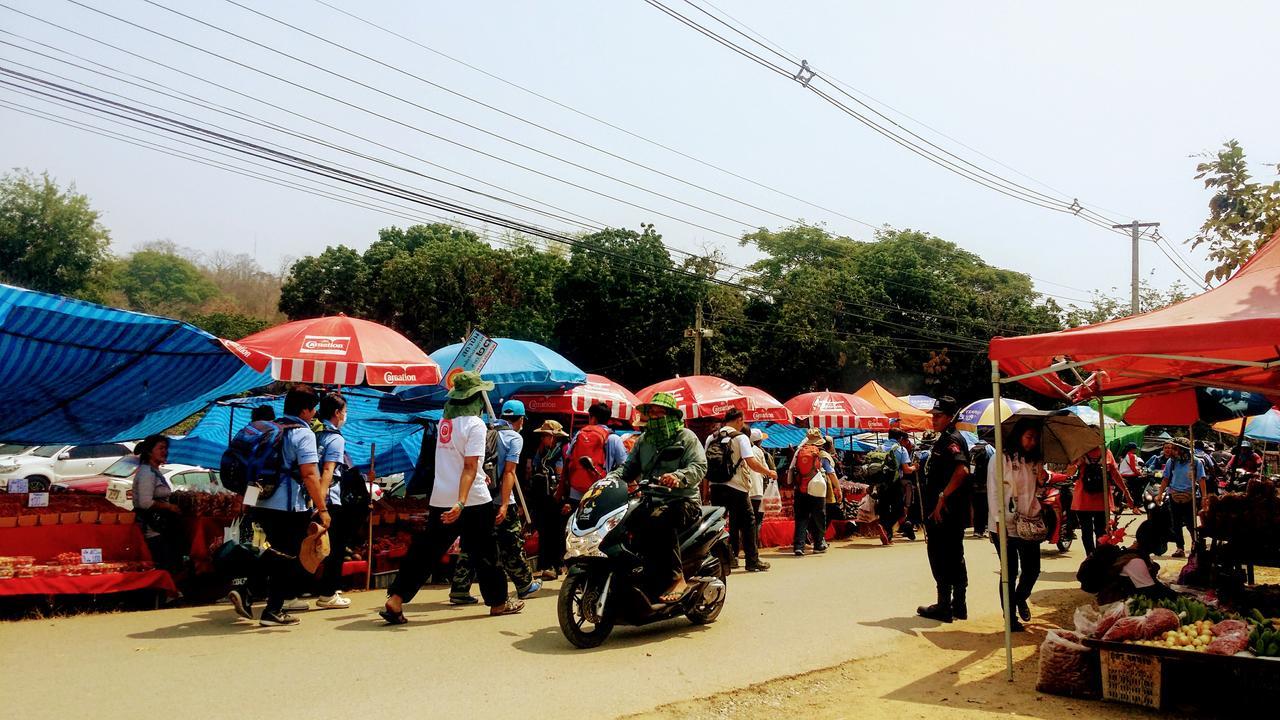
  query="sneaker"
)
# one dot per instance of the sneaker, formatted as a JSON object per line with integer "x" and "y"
{"x": 734, "y": 564}
{"x": 463, "y": 600}
{"x": 334, "y": 601}
{"x": 819, "y": 550}
{"x": 799, "y": 553}
{"x": 274, "y": 619}
{"x": 758, "y": 566}
{"x": 241, "y": 604}
{"x": 1024, "y": 610}
{"x": 534, "y": 587}
{"x": 296, "y": 605}
{"x": 510, "y": 607}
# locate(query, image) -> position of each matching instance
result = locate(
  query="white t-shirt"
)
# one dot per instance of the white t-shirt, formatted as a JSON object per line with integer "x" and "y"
{"x": 459, "y": 438}
{"x": 740, "y": 447}
{"x": 757, "y": 479}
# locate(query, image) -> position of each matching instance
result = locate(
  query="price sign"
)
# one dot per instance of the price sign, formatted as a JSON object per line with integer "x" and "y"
{"x": 90, "y": 556}
{"x": 18, "y": 485}
{"x": 40, "y": 499}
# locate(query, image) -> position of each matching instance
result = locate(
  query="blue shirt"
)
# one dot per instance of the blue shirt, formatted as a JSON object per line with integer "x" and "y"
{"x": 1156, "y": 460}
{"x": 510, "y": 445}
{"x": 333, "y": 449}
{"x": 900, "y": 456}
{"x": 298, "y": 448}
{"x": 1178, "y": 473}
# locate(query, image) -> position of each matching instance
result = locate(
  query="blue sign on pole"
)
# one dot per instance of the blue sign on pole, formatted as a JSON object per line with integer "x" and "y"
{"x": 475, "y": 352}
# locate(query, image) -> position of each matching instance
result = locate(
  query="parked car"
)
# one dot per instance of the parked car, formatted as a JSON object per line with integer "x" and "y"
{"x": 117, "y": 481}
{"x": 45, "y": 465}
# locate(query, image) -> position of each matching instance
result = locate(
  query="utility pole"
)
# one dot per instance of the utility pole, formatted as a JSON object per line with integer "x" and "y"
{"x": 697, "y": 332}
{"x": 1136, "y": 229}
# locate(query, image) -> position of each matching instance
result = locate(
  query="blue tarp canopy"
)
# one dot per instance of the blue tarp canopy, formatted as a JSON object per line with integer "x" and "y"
{"x": 75, "y": 372}
{"x": 515, "y": 365}
{"x": 788, "y": 436}
{"x": 372, "y": 417}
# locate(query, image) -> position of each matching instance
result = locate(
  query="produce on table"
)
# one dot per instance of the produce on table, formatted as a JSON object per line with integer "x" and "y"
{"x": 1159, "y": 621}
{"x": 1188, "y": 609}
{"x": 1125, "y": 630}
{"x": 1251, "y": 518}
{"x": 1066, "y": 666}
{"x": 1264, "y": 640}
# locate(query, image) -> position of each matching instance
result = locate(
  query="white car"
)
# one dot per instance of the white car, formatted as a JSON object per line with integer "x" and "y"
{"x": 45, "y": 465}
{"x": 119, "y": 481}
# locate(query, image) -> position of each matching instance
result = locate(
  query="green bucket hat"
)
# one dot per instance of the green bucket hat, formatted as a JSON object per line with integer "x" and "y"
{"x": 467, "y": 384}
{"x": 663, "y": 400}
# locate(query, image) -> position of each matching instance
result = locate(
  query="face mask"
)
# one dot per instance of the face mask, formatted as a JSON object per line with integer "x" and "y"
{"x": 661, "y": 431}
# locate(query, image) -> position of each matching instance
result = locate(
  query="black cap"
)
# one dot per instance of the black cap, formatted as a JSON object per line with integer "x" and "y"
{"x": 945, "y": 405}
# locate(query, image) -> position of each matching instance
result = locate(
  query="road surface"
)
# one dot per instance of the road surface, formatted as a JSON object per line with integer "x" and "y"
{"x": 856, "y": 601}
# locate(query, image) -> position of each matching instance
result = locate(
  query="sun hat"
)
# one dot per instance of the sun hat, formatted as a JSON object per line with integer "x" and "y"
{"x": 757, "y": 435}
{"x": 315, "y": 548}
{"x": 813, "y": 436}
{"x": 467, "y": 384}
{"x": 551, "y": 427}
{"x": 513, "y": 408}
{"x": 1183, "y": 443}
{"x": 662, "y": 400}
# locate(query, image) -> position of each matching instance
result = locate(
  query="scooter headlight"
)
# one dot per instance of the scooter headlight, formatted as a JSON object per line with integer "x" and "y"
{"x": 588, "y": 545}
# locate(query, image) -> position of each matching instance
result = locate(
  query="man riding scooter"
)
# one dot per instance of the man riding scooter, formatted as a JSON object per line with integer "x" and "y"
{"x": 668, "y": 511}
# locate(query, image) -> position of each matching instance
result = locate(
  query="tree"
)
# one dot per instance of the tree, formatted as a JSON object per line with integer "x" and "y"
{"x": 335, "y": 281}
{"x": 1110, "y": 307}
{"x": 161, "y": 282}
{"x": 50, "y": 240}
{"x": 1243, "y": 214}
{"x": 232, "y": 326}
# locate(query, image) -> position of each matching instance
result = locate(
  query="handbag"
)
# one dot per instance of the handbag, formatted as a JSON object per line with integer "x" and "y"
{"x": 1029, "y": 527}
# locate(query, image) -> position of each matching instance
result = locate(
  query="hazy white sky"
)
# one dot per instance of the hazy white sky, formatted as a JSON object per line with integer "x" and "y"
{"x": 1104, "y": 101}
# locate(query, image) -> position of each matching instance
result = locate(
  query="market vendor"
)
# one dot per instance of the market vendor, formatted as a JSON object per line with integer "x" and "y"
{"x": 160, "y": 519}
{"x": 1119, "y": 573}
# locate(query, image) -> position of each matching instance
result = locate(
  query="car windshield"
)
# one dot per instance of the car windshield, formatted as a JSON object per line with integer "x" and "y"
{"x": 9, "y": 449}
{"x": 47, "y": 451}
{"x": 122, "y": 468}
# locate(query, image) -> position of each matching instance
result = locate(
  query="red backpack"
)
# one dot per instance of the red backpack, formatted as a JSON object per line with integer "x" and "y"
{"x": 590, "y": 443}
{"x": 808, "y": 463}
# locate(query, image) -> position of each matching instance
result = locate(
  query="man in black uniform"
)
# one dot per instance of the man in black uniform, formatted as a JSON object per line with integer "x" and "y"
{"x": 947, "y": 505}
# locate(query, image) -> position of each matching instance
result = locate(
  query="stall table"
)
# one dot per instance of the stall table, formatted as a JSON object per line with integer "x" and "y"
{"x": 119, "y": 543}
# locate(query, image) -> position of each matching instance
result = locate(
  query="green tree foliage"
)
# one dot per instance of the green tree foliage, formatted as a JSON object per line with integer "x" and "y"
{"x": 50, "y": 239}
{"x": 161, "y": 282}
{"x": 1243, "y": 213}
{"x": 335, "y": 281}
{"x": 232, "y": 326}
{"x": 1111, "y": 306}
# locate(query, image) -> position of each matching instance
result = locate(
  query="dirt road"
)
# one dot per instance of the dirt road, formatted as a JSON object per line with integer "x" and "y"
{"x": 850, "y": 612}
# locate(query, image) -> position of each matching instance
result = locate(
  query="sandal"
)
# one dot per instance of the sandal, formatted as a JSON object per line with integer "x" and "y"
{"x": 510, "y": 607}
{"x": 673, "y": 595}
{"x": 393, "y": 617}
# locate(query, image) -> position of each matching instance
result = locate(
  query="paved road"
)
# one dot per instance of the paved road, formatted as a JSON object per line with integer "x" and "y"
{"x": 806, "y": 613}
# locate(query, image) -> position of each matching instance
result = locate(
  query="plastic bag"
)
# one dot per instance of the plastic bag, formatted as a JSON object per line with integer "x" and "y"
{"x": 1157, "y": 622}
{"x": 1125, "y": 630}
{"x": 772, "y": 503}
{"x": 1230, "y": 627}
{"x": 1094, "y": 622}
{"x": 1066, "y": 666}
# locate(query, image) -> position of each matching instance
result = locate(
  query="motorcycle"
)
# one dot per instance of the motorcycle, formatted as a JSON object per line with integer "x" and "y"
{"x": 1057, "y": 518}
{"x": 1239, "y": 481}
{"x": 605, "y": 585}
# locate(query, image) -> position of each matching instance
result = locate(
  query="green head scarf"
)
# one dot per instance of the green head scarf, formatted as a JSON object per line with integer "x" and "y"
{"x": 663, "y": 431}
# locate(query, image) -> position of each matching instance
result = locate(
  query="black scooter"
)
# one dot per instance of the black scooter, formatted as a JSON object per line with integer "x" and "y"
{"x": 605, "y": 585}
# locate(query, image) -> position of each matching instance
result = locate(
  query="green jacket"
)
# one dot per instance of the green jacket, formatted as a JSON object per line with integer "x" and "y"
{"x": 690, "y": 466}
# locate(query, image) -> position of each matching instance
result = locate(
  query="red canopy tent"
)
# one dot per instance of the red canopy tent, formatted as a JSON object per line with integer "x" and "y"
{"x": 1226, "y": 337}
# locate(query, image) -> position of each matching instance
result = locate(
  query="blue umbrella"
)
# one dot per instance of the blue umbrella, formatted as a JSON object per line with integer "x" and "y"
{"x": 515, "y": 366}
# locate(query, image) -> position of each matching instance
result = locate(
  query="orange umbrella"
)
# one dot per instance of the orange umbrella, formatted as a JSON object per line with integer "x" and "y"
{"x": 907, "y": 415}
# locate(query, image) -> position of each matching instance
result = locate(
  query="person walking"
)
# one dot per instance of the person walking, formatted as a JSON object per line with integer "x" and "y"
{"x": 760, "y": 480}
{"x": 285, "y": 515}
{"x": 896, "y": 494}
{"x": 808, "y": 474}
{"x": 947, "y": 506}
{"x": 543, "y": 472}
{"x": 1088, "y": 497}
{"x": 509, "y": 530}
{"x": 1130, "y": 467}
{"x": 460, "y": 505}
{"x": 346, "y": 521}
{"x": 1183, "y": 475}
{"x": 1024, "y": 477}
{"x": 734, "y": 495}
{"x": 982, "y": 452}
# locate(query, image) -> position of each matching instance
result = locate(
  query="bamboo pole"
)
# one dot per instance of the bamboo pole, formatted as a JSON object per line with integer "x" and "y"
{"x": 368, "y": 559}
{"x": 1002, "y": 528}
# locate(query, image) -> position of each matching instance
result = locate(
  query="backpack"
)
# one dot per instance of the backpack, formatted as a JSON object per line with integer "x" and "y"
{"x": 981, "y": 463}
{"x": 1091, "y": 479}
{"x": 352, "y": 488}
{"x": 489, "y": 464}
{"x": 720, "y": 464}
{"x": 807, "y": 464}
{"x": 879, "y": 468}
{"x": 589, "y": 444}
{"x": 255, "y": 456}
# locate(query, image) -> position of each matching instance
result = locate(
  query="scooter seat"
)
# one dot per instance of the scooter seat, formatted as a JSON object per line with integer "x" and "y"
{"x": 710, "y": 514}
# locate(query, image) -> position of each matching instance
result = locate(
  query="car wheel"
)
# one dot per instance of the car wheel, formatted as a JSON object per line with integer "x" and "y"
{"x": 37, "y": 483}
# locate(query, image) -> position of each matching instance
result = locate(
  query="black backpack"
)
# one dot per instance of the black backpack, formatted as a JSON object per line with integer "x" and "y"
{"x": 255, "y": 456}
{"x": 1092, "y": 477}
{"x": 720, "y": 465}
{"x": 352, "y": 487}
{"x": 490, "y": 462}
{"x": 981, "y": 463}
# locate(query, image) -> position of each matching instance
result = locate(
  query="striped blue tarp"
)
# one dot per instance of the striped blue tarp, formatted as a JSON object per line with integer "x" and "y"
{"x": 788, "y": 436}
{"x": 75, "y": 372}
{"x": 373, "y": 416}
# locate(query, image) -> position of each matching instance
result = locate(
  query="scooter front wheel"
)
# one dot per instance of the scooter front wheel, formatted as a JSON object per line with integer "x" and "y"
{"x": 575, "y": 611}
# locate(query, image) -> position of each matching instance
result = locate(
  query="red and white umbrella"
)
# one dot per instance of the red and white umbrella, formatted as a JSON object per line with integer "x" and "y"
{"x": 337, "y": 350}
{"x": 700, "y": 396}
{"x": 575, "y": 400}
{"x": 765, "y": 407}
{"x": 837, "y": 411}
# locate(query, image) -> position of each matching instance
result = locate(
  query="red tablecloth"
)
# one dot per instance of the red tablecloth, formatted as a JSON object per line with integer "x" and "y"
{"x": 89, "y": 584}
{"x": 119, "y": 543}
{"x": 780, "y": 532}
{"x": 203, "y": 531}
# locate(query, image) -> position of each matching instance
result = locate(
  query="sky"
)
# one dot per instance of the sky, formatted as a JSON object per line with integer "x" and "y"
{"x": 1102, "y": 101}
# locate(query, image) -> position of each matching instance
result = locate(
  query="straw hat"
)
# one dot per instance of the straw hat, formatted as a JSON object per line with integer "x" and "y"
{"x": 315, "y": 548}
{"x": 551, "y": 427}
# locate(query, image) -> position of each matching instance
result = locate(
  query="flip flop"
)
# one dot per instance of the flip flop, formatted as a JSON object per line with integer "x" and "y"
{"x": 393, "y": 618}
{"x": 672, "y": 596}
{"x": 510, "y": 607}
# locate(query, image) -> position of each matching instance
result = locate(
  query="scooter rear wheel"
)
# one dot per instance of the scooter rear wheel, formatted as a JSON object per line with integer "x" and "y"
{"x": 574, "y": 617}
{"x": 706, "y": 614}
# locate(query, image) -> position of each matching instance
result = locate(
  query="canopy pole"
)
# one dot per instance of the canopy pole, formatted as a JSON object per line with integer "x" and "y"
{"x": 1002, "y": 528}
{"x": 368, "y": 556}
{"x": 1107, "y": 489}
{"x": 1195, "y": 483}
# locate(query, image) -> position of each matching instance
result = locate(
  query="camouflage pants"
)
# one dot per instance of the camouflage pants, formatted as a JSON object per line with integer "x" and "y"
{"x": 510, "y": 538}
